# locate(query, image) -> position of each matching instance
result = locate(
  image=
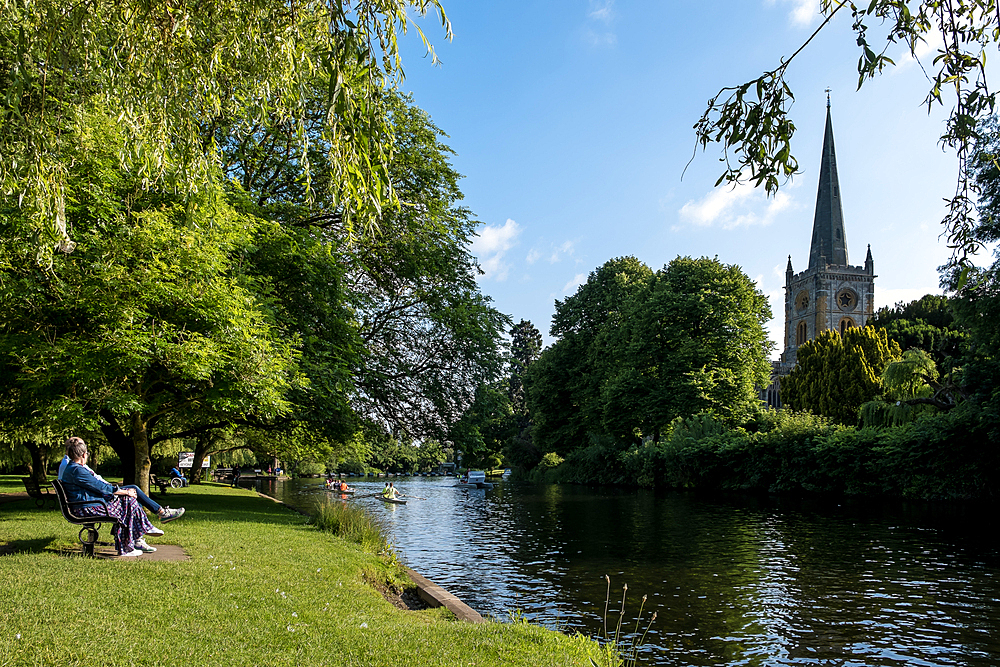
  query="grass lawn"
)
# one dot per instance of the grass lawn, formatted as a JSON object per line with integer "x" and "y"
{"x": 262, "y": 588}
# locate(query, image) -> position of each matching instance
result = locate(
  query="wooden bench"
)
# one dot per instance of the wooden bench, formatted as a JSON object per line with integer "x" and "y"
{"x": 42, "y": 493}
{"x": 91, "y": 524}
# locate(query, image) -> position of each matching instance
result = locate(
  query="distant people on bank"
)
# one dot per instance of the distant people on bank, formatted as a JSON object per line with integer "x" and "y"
{"x": 236, "y": 477}
{"x": 82, "y": 485}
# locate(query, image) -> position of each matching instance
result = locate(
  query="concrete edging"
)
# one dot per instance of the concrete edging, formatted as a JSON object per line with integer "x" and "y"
{"x": 435, "y": 596}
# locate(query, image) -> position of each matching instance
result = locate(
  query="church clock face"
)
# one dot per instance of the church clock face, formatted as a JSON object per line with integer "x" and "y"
{"x": 802, "y": 300}
{"x": 847, "y": 299}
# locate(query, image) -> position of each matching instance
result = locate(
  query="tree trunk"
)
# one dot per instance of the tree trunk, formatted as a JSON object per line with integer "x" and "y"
{"x": 140, "y": 444}
{"x": 39, "y": 462}
{"x": 122, "y": 444}
{"x": 201, "y": 448}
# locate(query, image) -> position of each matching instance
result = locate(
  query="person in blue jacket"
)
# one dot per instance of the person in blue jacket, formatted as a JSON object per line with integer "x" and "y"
{"x": 82, "y": 484}
{"x": 175, "y": 472}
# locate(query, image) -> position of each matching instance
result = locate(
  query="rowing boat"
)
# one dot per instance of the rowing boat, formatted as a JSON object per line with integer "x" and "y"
{"x": 397, "y": 501}
{"x": 341, "y": 490}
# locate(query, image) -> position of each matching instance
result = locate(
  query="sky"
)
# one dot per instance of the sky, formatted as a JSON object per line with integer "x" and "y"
{"x": 572, "y": 121}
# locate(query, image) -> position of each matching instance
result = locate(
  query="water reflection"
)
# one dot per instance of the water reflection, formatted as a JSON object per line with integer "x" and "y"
{"x": 737, "y": 581}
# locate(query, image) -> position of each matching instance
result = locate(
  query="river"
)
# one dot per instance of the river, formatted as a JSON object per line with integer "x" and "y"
{"x": 734, "y": 580}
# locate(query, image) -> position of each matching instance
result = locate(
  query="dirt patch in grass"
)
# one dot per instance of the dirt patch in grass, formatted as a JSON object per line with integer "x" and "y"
{"x": 406, "y": 599}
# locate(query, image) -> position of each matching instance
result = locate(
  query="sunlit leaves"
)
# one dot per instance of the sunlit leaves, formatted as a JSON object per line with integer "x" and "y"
{"x": 168, "y": 69}
{"x": 751, "y": 121}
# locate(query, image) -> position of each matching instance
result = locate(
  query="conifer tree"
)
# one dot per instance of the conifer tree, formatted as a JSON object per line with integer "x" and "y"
{"x": 836, "y": 374}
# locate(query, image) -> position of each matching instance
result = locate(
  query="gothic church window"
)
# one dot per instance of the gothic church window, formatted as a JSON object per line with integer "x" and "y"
{"x": 801, "y": 334}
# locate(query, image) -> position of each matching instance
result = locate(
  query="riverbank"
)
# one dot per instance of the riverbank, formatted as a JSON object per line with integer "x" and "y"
{"x": 262, "y": 587}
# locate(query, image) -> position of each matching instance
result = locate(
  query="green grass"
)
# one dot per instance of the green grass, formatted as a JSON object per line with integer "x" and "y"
{"x": 263, "y": 588}
{"x": 11, "y": 483}
{"x": 353, "y": 524}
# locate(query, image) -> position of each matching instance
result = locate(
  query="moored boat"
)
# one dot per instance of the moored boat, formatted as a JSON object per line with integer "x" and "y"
{"x": 474, "y": 479}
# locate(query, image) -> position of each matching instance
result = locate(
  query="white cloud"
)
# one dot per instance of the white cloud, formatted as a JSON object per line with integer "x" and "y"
{"x": 600, "y": 39}
{"x": 491, "y": 245}
{"x": 558, "y": 253}
{"x": 602, "y": 10}
{"x": 923, "y": 51}
{"x": 731, "y": 207}
{"x": 577, "y": 280}
{"x": 555, "y": 254}
{"x": 803, "y": 12}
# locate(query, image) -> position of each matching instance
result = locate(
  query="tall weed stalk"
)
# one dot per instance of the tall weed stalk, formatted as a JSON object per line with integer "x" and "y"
{"x": 619, "y": 650}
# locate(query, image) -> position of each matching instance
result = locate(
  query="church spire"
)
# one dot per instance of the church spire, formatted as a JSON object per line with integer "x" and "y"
{"x": 829, "y": 241}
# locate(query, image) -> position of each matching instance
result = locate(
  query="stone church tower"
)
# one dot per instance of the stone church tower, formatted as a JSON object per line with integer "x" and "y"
{"x": 830, "y": 293}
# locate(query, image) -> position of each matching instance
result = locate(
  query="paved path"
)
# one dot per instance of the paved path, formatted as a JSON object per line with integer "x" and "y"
{"x": 168, "y": 552}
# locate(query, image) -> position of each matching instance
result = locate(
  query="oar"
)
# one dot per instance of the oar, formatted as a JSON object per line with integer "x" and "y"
{"x": 417, "y": 497}
{"x": 367, "y": 495}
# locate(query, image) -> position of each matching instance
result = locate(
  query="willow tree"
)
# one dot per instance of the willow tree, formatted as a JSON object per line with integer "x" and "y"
{"x": 751, "y": 120}
{"x": 170, "y": 70}
{"x": 836, "y": 374}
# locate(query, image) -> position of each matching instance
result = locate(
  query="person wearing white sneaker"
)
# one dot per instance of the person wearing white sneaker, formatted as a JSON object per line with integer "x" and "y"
{"x": 131, "y": 554}
{"x": 141, "y": 545}
{"x": 82, "y": 485}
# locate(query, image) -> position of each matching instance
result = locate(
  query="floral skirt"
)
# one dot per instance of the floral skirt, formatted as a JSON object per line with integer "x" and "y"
{"x": 132, "y": 521}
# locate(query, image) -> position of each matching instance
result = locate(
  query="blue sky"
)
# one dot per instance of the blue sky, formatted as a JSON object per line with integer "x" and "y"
{"x": 572, "y": 123}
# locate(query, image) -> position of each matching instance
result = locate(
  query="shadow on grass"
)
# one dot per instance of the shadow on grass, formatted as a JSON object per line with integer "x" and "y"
{"x": 35, "y": 546}
{"x": 225, "y": 507}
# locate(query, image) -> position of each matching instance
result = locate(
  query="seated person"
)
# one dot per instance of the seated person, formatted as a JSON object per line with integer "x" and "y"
{"x": 176, "y": 472}
{"x": 82, "y": 484}
{"x": 165, "y": 513}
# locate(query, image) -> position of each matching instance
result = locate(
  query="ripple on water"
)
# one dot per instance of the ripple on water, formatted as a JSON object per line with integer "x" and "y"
{"x": 735, "y": 581}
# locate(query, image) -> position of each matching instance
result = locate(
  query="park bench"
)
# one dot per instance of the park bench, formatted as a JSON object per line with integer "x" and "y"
{"x": 161, "y": 483}
{"x": 42, "y": 493}
{"x": 91, "y": 524}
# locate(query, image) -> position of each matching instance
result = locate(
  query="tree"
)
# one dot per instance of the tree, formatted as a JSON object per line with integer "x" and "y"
{"x": 564, "y": 385}
{"x": 913, "y": 387}
{"x": 836, "y": 374}
{"x": 148, "y": 322}
{"x": 428, "y": 336}
{"x": 525, "y": 348}
{"x": 169, "y": 73}
{"x": 927, "y": 324}
{"x": 751, "y": 120}
{"x": 692, "y": 340}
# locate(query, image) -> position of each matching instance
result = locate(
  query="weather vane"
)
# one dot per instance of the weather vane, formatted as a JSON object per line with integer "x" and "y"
{"x": 827, "y": 98}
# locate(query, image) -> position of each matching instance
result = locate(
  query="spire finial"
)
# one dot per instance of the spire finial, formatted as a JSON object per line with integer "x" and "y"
{"x": 827, "y": 98}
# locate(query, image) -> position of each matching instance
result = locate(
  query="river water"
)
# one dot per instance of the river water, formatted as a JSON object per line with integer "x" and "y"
{"x": 734, "y": 580}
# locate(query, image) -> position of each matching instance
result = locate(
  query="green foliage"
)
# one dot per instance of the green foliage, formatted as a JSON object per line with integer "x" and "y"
{"x": 927, "y": 324}
{"x": 639, "y": 349}
{"x": 751, "y": 120}
{"x": 836, "y": 374}
{"x": 693, "y": 340}
{"x": 525, "y": 348}
{"x": 550, "y": 460}
{"x": 170, "y": 74}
